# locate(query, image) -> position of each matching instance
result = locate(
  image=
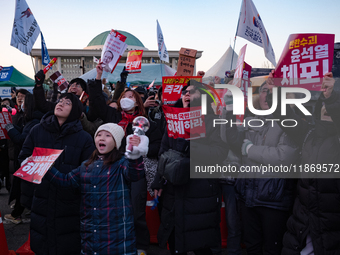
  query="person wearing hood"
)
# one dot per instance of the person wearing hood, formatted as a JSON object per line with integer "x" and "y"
{"x": 77, "y": 86}
{"x": 266, "y": 200}
{"x": 55, "y": 216}
{"x": 17, "y": 135}
{"x": 314, "y": 226}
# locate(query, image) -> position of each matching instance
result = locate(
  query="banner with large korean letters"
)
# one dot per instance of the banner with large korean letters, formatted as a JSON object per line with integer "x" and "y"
{"x": 304, "y": 61}
{"x": 134, "y": 61}
{"x": 113, "y": 50}
{"x": 172, "y": 87}
{"x": 187, "y": 123}
{"x": 41, "y": 161}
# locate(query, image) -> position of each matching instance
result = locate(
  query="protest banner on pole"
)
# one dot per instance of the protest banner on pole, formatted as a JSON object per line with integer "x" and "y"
{"x": 5, "y": 118}
{"x": 35, "y": 169}
{"x": 304, "y": 61}
{"x": 245, "y": 83}
{"x": 172, "y": 87}
{"x": 6, "y": 73}
{"x": 187, "y": 123}
{"x": 134, "y": 61}
{"x": 113, "y": 50}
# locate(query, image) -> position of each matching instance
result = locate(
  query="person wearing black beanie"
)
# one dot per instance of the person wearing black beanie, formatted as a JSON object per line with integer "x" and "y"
{"x": 76, "y": 110}
{"x": 77, "y": 86}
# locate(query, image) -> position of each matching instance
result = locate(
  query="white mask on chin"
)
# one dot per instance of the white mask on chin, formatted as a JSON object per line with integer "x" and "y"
{"x": 127, "y": 104}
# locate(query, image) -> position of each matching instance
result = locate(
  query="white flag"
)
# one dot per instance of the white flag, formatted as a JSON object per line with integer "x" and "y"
{"x": 250, "y": 27}
{"x": 95, "y": 60}
{"x": 25, "y": 28}
{"x": 162, "y": 52}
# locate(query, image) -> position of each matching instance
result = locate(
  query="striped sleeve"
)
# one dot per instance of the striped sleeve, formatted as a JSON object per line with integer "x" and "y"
{"x": 134, "y": 170}
{"x": 71, "y": 179}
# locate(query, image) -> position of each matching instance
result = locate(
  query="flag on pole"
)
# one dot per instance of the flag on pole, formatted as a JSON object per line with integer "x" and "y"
{"x": 162, "y": 52}
{"x": 25, "y": 28}
{"x": 44, "y": 53}
{"x": 250, "y": 27}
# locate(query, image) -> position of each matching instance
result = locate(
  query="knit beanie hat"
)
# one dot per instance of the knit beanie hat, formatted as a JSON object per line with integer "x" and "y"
{"x": 81, "y": 82}
{"x": 115, "y": 130}
{"x": 77, "y": 107}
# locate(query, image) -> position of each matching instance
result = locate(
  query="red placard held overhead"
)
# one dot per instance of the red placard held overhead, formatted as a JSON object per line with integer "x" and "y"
{"x": 134, "y": 61}
{"x": 172, "y": 87}
{"x": 304, "y": 61}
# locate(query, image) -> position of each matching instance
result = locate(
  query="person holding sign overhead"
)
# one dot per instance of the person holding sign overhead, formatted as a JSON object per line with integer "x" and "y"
{"x": 55, "y": 211}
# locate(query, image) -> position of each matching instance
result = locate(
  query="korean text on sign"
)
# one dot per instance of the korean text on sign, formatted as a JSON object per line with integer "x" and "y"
{"x": 305, "y": 60}
{"x": 172, "y": 87}
{"x": 187, "y": 123}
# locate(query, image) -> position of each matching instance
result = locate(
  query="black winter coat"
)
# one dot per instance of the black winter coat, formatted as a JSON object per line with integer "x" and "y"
{"x": 55, "y": 220}
{"x": 192, "y": 210}
{"x": 17, "y": 136}
{"x": 316, "y": 209}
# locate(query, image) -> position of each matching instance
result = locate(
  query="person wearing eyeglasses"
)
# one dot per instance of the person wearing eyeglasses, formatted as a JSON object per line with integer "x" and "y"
{"x": 77, "y": 86}
{"x": 55, "y": 216}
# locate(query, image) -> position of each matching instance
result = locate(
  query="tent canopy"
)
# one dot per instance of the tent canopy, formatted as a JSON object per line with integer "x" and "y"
{"x": 148, "y": 74}
{"x": 17, "y": 79}
{"x": 221, "y": 66}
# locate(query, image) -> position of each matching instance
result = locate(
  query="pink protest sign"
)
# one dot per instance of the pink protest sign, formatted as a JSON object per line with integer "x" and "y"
{"x": 304, "y": 61}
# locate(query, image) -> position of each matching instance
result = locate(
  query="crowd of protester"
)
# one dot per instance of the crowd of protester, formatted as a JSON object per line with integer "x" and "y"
{"x": 93, "y": 200}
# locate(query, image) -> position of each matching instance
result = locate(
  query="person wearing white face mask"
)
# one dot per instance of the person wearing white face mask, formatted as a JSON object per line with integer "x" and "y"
{"x": 130, "y": 106}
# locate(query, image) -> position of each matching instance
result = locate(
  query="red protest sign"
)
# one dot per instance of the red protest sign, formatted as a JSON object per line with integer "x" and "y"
{"x": 83, "y": 97}
{"x": 187, "y": 123}
{"x": 113, "y": 50}
{"x": 42, "y": 160}
{"x": 60, "y": 80}
{"x": 134, "y": 61}
{"x": 304, "y": 61}
{"x": 239, "y": 67}
{"x": 5, "y": 118}
{"x": 172, "y": 87}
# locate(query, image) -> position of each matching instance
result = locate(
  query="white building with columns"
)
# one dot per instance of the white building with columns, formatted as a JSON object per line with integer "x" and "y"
{"x": 73, "y": 63}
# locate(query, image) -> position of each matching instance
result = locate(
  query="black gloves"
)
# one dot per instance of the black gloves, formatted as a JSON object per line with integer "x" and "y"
{"x": 123, "y": 75}
{"x": 39, "y": 77}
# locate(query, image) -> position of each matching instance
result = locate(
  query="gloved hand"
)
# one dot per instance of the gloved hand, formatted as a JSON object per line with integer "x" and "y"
{"x": 39, "y": 77}
{"x": 140, "y": 150}
{"x": 9, "y": 126}
{"x": 246, "y": 146}
{"x": 228, "y": 100}
{"x": 123, "y": 75}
